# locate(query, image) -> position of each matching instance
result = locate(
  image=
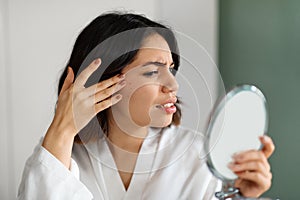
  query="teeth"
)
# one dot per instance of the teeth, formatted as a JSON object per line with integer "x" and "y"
{"x": 168, "y": 105}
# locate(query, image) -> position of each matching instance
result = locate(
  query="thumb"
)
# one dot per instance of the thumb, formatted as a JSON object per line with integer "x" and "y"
{"x": 68, "y": 81}
{"x": 268, "y": 145}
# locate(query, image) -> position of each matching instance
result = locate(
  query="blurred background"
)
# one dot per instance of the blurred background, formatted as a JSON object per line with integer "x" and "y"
{"x": 259, "y": 43}
{"x": 252, "y": 41}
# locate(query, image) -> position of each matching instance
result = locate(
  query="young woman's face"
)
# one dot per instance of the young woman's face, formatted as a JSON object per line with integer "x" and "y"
{"x": 150, "y": 93}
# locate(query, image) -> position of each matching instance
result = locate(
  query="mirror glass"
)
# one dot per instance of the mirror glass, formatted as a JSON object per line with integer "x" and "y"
{"x": 235, "y": 125}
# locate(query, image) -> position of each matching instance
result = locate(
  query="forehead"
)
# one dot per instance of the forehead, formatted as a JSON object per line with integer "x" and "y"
{"x": 155, "y": 41}
{"x": 154, "y": 48}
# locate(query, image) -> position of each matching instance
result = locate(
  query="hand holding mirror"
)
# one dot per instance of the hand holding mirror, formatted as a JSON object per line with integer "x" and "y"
{"x": 235, "y": 125}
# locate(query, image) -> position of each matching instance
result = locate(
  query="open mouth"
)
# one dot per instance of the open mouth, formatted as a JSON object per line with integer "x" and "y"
{"x": 169, "y": 108}
{"x": 168, "y": 105}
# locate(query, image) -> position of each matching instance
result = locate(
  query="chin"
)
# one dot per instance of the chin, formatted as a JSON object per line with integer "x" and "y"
{"x": 161, "y": 123}
{"x": 157, "y": 118}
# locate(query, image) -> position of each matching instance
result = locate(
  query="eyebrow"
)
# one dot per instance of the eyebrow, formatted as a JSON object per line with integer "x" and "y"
{"x": 159, "y": 64}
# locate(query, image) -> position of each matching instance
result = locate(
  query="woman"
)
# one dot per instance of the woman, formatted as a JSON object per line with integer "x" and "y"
{"x": 118, "y": 137}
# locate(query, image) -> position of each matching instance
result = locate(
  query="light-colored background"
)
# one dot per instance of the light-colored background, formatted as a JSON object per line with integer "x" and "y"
{"x": 36, "y": 39}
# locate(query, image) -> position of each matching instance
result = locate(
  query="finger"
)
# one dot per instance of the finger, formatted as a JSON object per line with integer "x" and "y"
{"x": 107, "y": 103}
{"x": 87, "y": 72}
{"x": 250, "y": 166}
{"x": 251, "y": 155}
{"x": 68, "y": 80}
{"x": 90, "y": 91}
{"x": 108, "y": 92}
{"x": 268, "y": 145}
{"x": 257, "y": 178}
{"x": 238, "y": 182}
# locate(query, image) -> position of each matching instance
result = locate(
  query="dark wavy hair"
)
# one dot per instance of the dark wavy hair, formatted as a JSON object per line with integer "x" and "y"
{"x": 115, "y": 53}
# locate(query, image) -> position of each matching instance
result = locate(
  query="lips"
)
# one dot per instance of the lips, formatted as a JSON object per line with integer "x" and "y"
{"x": 169, "y": 106}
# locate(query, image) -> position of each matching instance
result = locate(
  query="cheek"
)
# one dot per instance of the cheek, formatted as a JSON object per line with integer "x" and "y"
{"x": 141, "y": 103}
{"x": 137, "y": 101}
{"x": 143, "y": 99}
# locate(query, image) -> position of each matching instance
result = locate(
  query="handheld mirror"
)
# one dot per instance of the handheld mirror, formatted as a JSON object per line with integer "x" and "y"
{"x": 235, "y": 125}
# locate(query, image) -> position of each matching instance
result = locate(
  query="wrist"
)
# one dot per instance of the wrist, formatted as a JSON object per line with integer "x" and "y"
{"x": 59, "y": 143}
{"x": 63, "y": 129}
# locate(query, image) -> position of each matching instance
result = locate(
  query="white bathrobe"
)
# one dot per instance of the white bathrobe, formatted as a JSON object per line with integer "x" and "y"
{"x": 171, "y": 165}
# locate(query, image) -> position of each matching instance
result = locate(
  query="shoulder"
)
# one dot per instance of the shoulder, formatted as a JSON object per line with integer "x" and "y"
{"x": 181, "y": 142}
{"x": 183, "y": 136}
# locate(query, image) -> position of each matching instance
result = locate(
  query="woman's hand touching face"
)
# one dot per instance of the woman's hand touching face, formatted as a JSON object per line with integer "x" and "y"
{"x": 77, "y": 105}
{"x": 253, "y": 169}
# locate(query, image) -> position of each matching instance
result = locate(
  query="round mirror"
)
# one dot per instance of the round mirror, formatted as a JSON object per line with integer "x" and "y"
{"x": 235, "y": 125}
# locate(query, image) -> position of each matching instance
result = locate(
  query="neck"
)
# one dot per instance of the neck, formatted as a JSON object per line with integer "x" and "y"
{"x": 129, "y": 137}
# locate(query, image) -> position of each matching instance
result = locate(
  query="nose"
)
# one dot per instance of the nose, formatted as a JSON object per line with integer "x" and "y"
{"x": 169, "y": 83}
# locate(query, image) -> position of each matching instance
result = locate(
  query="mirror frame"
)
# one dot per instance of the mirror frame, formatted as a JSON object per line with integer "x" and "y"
{"x": 214, "y": 114}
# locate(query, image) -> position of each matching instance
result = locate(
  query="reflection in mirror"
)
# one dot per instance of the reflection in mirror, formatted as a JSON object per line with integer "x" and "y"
{"x": 235, "y": 125}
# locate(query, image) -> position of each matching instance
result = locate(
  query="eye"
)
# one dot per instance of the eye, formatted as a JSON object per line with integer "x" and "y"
{"x": 173, "y": 71}
{"x": 151, "y": 73}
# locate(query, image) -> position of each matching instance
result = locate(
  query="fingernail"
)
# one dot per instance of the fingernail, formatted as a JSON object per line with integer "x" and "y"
{"x": 122, "y": 83}
{"x": 266, "y": 138}
{"x": 97, "y": 61}
{"x": 261, "y": 137}
{"x": 118, "y": 96}
{"x": 121, "y": 76}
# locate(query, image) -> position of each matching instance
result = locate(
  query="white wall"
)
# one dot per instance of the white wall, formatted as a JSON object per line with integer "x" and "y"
{"x": 39, "y": 40}
{"x": 5, "y": 155}
{"x": 196, "y": 18}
